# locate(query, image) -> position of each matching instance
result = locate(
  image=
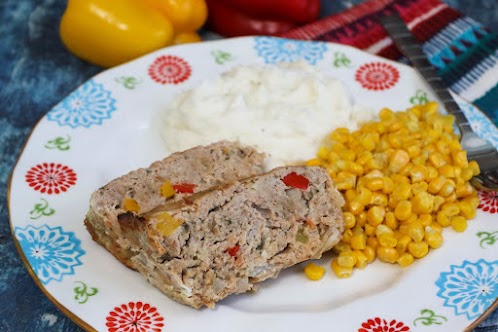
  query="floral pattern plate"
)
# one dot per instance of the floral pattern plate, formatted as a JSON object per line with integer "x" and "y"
{"x": 105, "y": 128}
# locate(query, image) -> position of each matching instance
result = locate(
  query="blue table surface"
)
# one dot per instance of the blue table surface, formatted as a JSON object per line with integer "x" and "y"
{"x": 36, "y": 72}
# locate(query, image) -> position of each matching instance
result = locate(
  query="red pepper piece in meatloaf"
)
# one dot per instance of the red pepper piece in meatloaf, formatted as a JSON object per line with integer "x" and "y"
{"x": 196, "y": 169}
{"x": 224, "y": 240}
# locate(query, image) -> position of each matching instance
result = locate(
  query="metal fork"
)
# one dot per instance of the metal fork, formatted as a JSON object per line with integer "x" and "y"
{"x": 477, "y": 149}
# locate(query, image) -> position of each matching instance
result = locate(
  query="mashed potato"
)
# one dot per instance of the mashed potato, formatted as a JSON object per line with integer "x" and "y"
{"x": 284, "y": 110}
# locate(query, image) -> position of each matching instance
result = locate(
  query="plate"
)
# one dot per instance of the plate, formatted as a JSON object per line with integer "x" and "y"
{"x": 105, "y": 128}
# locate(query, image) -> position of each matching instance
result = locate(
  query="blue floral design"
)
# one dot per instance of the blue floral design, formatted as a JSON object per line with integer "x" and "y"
{"x": 470, "y": 288}
{"x": 88, "y": 105}
{"x": 51, "y": 252}
{"x": 481, "y": 124}
{"x": 275, "y": 50}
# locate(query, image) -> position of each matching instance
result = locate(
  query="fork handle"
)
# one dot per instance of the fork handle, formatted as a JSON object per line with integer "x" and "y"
{"x": 409, "y": 46}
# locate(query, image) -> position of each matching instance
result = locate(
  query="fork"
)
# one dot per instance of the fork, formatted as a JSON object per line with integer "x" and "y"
{"x": 477, "y": 149}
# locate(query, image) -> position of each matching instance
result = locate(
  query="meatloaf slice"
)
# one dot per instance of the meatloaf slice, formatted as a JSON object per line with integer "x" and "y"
{"x": 193, "y": 170}
{"x": 224, "y": 240}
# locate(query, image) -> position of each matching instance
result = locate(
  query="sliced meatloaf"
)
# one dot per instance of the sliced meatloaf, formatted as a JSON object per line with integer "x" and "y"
{"x": 224, "y": 240}
{"x": 187, "y": 172}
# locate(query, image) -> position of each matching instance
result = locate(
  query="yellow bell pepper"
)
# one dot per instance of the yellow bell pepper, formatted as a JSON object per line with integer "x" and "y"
{"x": 108, "y": 33}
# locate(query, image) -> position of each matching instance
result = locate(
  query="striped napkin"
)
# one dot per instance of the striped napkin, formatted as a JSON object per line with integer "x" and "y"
{"x": 463, "y": 50}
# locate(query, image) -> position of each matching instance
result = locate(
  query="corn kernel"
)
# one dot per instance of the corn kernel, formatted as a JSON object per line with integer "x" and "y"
{"x": 416, "y": 231}
{"x": 423, "y": 202}
{"x": 373, "y": 242}
{"x": 474, "y": 166}
{"x": 346, "y": 236}
{"x": 323, "y": 152}
{"x": 346, "y": 259}
{"x": 437, "y": 227}
{"x": 341, "y": 271}
{"x": 369, "y": 252}
{"x": 450, "y": 209}
{"x": 359, "y": 241}
{"x": 403, "y": 211}
{"x": 458, "y": 223}
{"x": 355, "y": 207}
{"x": 436, "y": 184}
{"x": 464, "y": 189}
{"x": 432, "y": 173}
{"x": 375, "y": 184}
{"x": 361, "y": 219}
{"x": 447, "y": 189}
{"x": 314, "y": 272}
{"x": 349, "y": 220}
{"x": 403, "y": 242}
{"x": 438, "y": 201}
{"x": 402, "y": 192}
{"x": 405, "y": 259}
{"x": 379, "y": 199}
{"x": 447, "y": 171}
{"x": 460, "y": 159}
{"x": 388, "y": 185}
{"x": 420, "y": 186}
{"x": 418, "y": 249}
{"x": 398, "y": 160}
{"x": 433, "y": 237}
{"x": 388, "y": 240}
{"x": 314, "y": 162}
{"x": 375, "y": 215}
{"x": 364, "y": 196}
{"x": 425, "y": 219}
{"x": 391, "y": 221}
{"x": 341, "y": 246}
{"x": 418, "y": 173}
{"x": 466, "y": 209}
{"x": 387, "y": 254}
{"x": 167, "y": 190}
{"x": 361, "y": 259}
{"x": 131, "y": 205}
{"x": 443, "y": 219}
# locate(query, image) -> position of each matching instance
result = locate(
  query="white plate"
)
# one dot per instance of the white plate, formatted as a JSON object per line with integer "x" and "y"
{"x": 105, "y": 129}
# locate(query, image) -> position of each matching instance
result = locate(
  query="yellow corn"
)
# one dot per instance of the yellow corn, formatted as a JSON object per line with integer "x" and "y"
{"x": 422, "y": 202}
{"x": 359, "y": 241}
{"x": 416, "y": 231}
{"x": 167, "y": 190}
{"x": 467, "y": 209}
{"x": 375, "y": 215}
{"x": 403, "y": 241}
{"x": 341, "y": 271}
{"x": 433, "y": 237}
{"x": 405, "y": 259}
{"x": 314, "y": 162}
{"x": 387, "y": 254}
{"x": 131, "y": 205}
{"x": 349, "y": 220}
{"x": 404, "y": 210}
{"x": 402, "y": 192}
{"x": 404, "y": 179}
{"x": 418, "y": 249}
{"x": 347, "y": 259}
{"x": 474, "y": 166}
{"x": 458, "y": 223}
{"x": 314, "y": 272}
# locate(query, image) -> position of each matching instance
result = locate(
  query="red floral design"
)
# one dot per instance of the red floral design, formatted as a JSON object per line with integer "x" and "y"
{"x": 169, "y": 69}
{"x": 488, "y": 201}
{"x": 51, "y": 178}
{"x": 377, "y": 76}
{"x": 381, "y": 325}
{"x": 134, "y": 317}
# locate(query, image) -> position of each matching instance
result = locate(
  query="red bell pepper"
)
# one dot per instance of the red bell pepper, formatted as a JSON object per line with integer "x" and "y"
{"x": 294, "y": 11}
{"x": 230, "y": 22}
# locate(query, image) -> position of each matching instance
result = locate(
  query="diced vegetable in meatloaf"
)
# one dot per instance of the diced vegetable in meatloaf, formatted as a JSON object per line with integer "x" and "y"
{"x": 170, "y": 179}
{"x": 224, "y": 240}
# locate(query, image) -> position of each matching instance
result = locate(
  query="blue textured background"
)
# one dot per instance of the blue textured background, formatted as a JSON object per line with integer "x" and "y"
{"x": 35, "y": 73}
